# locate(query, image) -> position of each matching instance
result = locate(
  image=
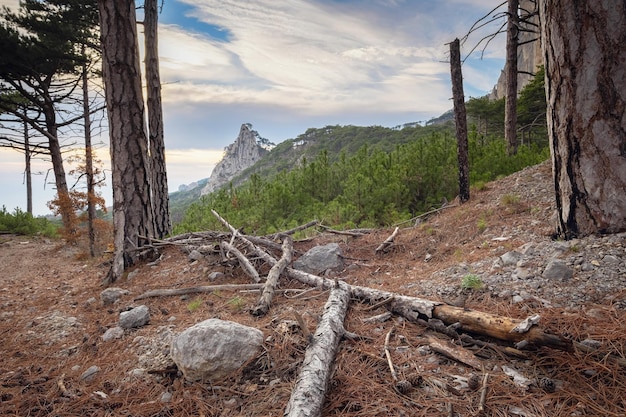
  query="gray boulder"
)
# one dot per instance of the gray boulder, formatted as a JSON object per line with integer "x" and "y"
{"x": 137, "y": 317}
{"x": 320, "y": 258}
{"x": 213, "y": 349}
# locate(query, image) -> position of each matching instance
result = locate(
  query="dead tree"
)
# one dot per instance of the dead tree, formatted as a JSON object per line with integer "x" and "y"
{"x": 460, "y": 118}
{"x": 510, "y": 69}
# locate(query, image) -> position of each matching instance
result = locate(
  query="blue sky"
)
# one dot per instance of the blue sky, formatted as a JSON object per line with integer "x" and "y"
{"x": 287, "y": 65}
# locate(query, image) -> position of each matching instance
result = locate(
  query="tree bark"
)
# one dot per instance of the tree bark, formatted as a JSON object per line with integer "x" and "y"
{"x": 91, "y": 202}
{"x": 585, "y": 63}
{"x": 510, "y": 102}
{"x": 460, "y": 117}
{"x": 162, "y": 222}
{"x": 27, "y": 171}
{"x": 132, "y": 203}
{"x": 308, "y": 396}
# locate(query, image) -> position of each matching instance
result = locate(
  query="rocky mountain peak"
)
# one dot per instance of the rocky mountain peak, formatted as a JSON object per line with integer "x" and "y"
{"x": 241, "y": 154}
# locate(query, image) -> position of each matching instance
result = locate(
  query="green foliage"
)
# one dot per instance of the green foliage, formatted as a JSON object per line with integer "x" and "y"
{"x": 23, "y": 223}
{"x": 371, "y": 188}
{"x": 471, "y": 282}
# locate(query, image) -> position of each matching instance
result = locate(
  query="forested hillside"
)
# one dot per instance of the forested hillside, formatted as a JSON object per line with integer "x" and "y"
{"x": 350, "y": 176}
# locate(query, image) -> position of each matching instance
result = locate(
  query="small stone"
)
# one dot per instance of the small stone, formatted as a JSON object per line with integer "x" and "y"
{"x": 166, "y": 397}
{"x": 194, "y": 255}
{"x": 594, "y": 344}
{"x": 112, "y": 295}
{"x": 611, "y": 260}
{"x": 517, "y": 299}
{"x": 522, "y": 273}
{"x": 215, "y": 275}
{"x": 557, "y": 269}
{"x": 587, "y": 266}
{"x": 137, "y": 317}
{"x": 511, "y": 258}
{"x": 90, "y": 373}
{"x": 113, "y": 333}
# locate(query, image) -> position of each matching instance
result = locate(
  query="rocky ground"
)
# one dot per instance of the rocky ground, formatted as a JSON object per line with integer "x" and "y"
{"x": 493, "y": 254}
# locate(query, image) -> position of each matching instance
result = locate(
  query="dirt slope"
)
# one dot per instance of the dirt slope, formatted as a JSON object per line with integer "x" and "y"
{"x": 52, "y": 322}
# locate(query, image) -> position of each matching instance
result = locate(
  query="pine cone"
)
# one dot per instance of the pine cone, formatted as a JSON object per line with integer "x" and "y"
{"x": 546, "y": 384}
{"x": 473, "y": 382}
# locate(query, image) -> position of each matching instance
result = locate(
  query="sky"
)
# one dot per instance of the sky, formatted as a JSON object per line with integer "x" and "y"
{"x": 288, "y": 65}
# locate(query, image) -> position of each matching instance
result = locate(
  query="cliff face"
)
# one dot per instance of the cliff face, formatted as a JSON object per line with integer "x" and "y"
{"x": 529, "y": 56}
{"x": 241, "y": 154}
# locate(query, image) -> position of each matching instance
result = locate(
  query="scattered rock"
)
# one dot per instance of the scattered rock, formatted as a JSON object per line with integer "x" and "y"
{"x": 90, "y": 373}
{"x": 557, "y": 269}
{"x": 320, "y": 259}
{"x": 511, "y": 258}
{"x": 215, "y": 275}
{"x": 113, "y": 333}
{"x": 195, "y": 255}
{"x": 213, "y": 349}
{"x": 112, "y": 295}
{"x": 137, "y": 317}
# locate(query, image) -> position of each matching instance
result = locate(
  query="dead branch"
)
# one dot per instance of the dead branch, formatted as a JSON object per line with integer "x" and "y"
{"x": 243, "y": 261}
{"x": 483, "y": 395}
{"x": 263, "y": 305}
{"x": 296, "y": 229}
{"x": 413, "y": 308}
{"x": 168, "y": 292}
{"x": 402, "y": 386}
{"x": 341, "y": 232}
{"x": 308, "y": 396}
{"x": 453, "y": 352}
{"x": 388, "y": 243}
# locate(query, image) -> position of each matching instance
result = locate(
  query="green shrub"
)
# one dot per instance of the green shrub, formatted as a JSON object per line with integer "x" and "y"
{"x": 23, "y": 223}
{"x": 471, "y": 282}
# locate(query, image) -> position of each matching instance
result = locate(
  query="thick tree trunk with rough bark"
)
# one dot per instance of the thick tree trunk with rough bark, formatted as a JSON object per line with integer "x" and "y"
{"x": 585, "y": 62}
{"x": 510, "y": 109}
{"x": 162, "y": 223}
{"x": 132, "y": 204}
{"x": 460, "y": 117}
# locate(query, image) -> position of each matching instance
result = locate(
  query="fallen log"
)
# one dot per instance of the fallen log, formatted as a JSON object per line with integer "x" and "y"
{"x": 168, "y": 292}
{"x": 308, "y": 396}
{"x": 265, "y": 300}
{"x": 413, "y": 308}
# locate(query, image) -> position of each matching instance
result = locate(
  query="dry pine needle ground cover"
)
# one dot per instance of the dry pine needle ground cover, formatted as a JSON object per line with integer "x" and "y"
{"x": 51, "y": 329}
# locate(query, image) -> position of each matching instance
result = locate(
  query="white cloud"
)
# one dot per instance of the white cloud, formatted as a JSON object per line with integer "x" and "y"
{"x": 300, "y": 55}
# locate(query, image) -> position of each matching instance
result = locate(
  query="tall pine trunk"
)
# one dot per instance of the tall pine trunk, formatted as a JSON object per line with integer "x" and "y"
{"x": 585, "y": 63}
{"x": 132, "y": 204}
{"x": 162, "y": 223}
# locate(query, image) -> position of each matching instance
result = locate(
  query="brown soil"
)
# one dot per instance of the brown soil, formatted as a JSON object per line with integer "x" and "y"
{"x": 52, "y": 322}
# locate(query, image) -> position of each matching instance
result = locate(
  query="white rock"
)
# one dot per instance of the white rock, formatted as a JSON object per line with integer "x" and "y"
{"x": 213, "y": 349}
